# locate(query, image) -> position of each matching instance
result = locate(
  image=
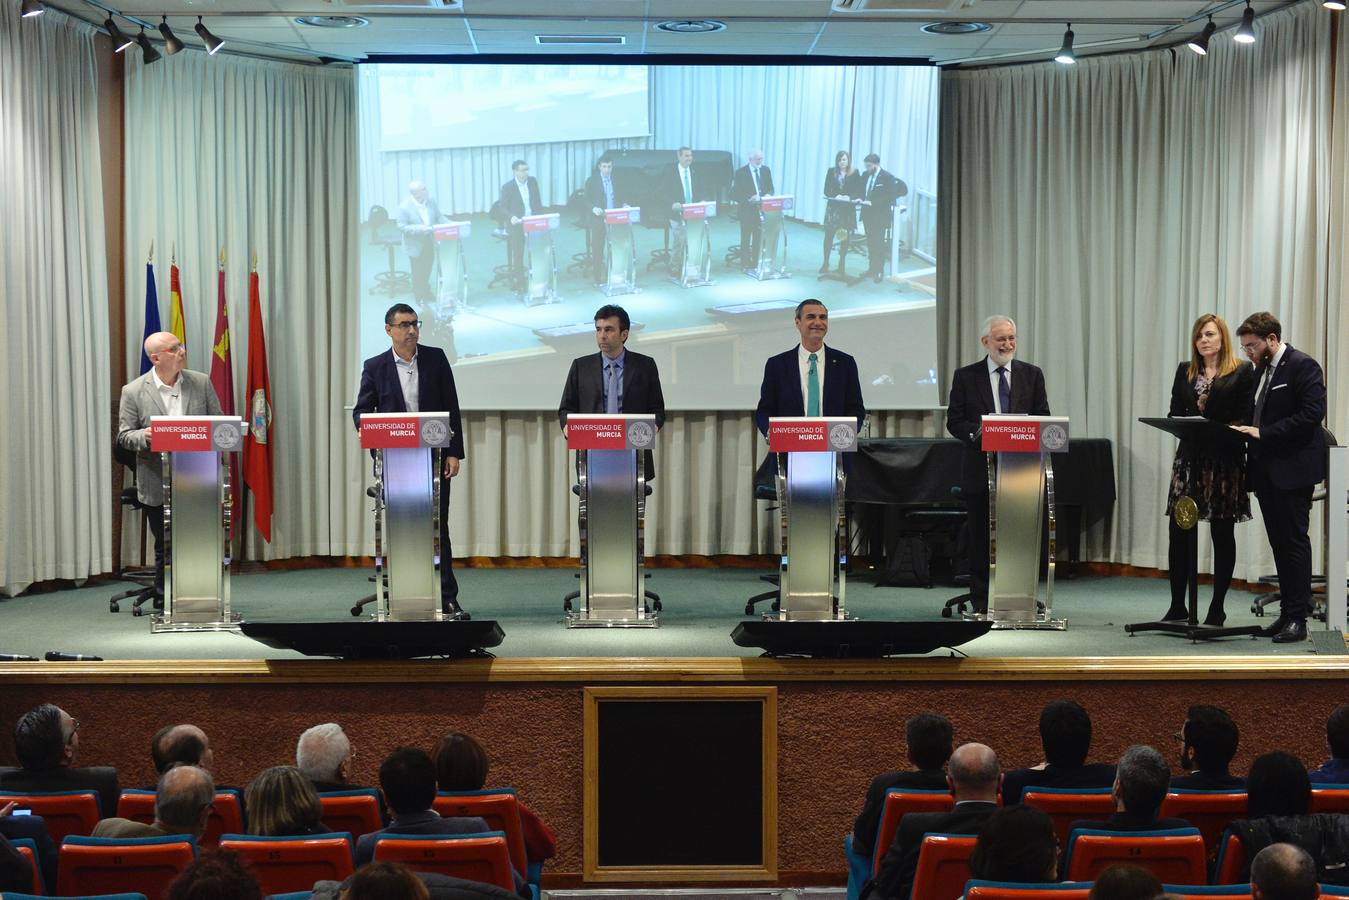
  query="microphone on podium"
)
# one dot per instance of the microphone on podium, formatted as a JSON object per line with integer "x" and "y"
{"x": 58, "y": 656}
{"x": 17, "y": 657}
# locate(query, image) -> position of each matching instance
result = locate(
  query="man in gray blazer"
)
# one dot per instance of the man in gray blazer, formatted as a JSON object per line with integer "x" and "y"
{"x": 417, "y": 218}
{"x": 168, "y": 389}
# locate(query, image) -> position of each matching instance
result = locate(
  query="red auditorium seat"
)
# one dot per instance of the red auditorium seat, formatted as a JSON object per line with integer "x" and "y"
{"x": 898, "y": 802}
{"x": 66, "y": 812}
{"x": 479, "y": 857}
{"x": 1210, "y": 812}
{"x": 1231, "y": 860}
{"x": 998, "y": 890}
{"x": 943, "y": 866}
{"x": 88, "y": 865}
{"x": 1067, "y": 806}
{"x": 356, "y": 812}
{"x": 287, "y": 864}
{"x": 1330, "y": 798}
{"x": 227, "y": 817}
{"x": 28, "y": 850}
{"x": 1175, "y": 856}
{"x": 1190, "y": 892}
{"x": 499, "y": 807}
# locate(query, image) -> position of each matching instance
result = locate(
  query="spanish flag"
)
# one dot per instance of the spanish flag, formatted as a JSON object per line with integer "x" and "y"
{"x": 177, "y": 324}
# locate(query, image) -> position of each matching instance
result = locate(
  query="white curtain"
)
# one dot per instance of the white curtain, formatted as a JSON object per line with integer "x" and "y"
{"x": 1106, "y": 205}
{"x": 55, "y": 508}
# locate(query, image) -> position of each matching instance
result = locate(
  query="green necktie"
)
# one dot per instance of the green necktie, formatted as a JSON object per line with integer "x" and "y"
{"x": 688, "y": 187}
{"x": 812, "y": 389}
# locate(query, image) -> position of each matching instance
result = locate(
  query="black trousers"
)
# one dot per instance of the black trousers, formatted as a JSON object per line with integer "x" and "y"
{"x": 1287, "y": 515}
{"x": 751, "y": 239}
{"x": 154, "y": 517}
{"x": 876, "y": 249}
{"x": 515, "y": 245}
{"x": 449, "y": 585}
{"x": 597, "y": 237}
{"x": 976, "y": 502}
{"x": 421, "y": 276}
{"x": 1224, "y": 532}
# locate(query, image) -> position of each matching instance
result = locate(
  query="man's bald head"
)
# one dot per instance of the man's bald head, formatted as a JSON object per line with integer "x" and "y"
{"x": 159, "y": 341}
{"x": 180, "y": 744}
{"x": 183, "y": 800}
{"x": 1284, "y": 872}
{"x": 973, "y": 772}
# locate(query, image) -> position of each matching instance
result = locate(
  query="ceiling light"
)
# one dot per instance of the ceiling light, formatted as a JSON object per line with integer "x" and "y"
{"x": 1246, "y": 31}
{"x": 333, "y": 21}
{"x": 212, "y": 42}
{"x": 1065, "y": 54}
{"x": 1199, "y": 43}
{"x": 956, "y": 27}
{"x": 1337, "y": 5}
{"x": 171, "y": 43}
{"x": 120, "y": 41}
{"x": 31, "y": 8}
{"x": 691, "y": 26}
{"x": 148, "y": 52}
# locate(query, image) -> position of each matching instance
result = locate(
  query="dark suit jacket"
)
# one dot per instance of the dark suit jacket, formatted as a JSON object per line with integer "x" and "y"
{"x": 510, "y": 197}
{"x": 15, "y": 875}
{"x": 742, "y": 188}
{"x": 1291, "y": 451}
{"x": 1208, "y": 781}
{"x": 1091, "y": 775}
{"x": 883, "y": 195}
{"x": 895, "y": 877}
{"x": 595, "y": 195}
{"x": 672, "y": 188}
{"x": 869, "y": 821}
{"x": 972, "y": 398}
{"x": 780, "y": 391}
{"x": 35, "y": 829}
{"x": 583, "y": 392}
{"x": 381, "y": 391}
{"x": 851, "y": 188}
{"x": 427, "y": 822}
{"x": 100, "y": 779}
{"x": 1229, "y": 400}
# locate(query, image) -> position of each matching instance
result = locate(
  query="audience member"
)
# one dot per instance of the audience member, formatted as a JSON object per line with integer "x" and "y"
{"x": 1065, "y": 733}
{"x": 46, "y": 743}
{"x": 974, "y": 777}
{"x": 1140, "y": 787}
{"x": 216, "y": 875}
{"x": 34, "y": 828}
{"x": 282, "y": 802}
{"x": 1283, "y": 872}
{"x": 1122, "y": 882}
{"x": 1279, "y": 803}
{"x": 1016, "y": 844}
{"x": 386, "y": 881}
{"x": 186, "y": 744}
{"x": 408, "y": 779}
{"x": 461, "y": 765}
{"x": 1208, "y": 743}
{"x": 323, "y": 754}
{"x": 15, "y": 873}
{"x": 183, "y": 801}
{"x": 928, "y": 742}
{"x": 1277, "y": 785}
{"x": 1336, "y": 769}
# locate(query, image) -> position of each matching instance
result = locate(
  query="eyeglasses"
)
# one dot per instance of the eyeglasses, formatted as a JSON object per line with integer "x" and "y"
{"x": 404, "y": 326}
{"x": 74, "y": 727}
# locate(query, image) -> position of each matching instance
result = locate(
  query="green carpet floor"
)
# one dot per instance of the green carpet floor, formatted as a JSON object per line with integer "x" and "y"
{"x": 701, "y": 607}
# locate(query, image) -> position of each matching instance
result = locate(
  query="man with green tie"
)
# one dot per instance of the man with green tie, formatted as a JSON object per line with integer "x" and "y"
{"x": 810, "y": 379}
{"x": 681, "y": 186}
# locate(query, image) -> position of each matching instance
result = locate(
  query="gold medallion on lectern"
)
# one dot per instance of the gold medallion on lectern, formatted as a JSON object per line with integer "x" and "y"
{"x": 1186, "y": 513}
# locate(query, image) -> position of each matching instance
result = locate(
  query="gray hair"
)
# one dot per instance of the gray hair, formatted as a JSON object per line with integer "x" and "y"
{"x": 1143, "y": 777}
{"x": 995, "y": 320}
{"x": 321, "y": 750}
{"x": 1284, "y": 872}
{"x": 182, "y": 795}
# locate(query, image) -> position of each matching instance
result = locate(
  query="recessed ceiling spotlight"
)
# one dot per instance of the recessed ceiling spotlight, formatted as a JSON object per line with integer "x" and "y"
{"x": 333, "y": 21}
{"x": 691, "y": 26}
{"x": 956, "y": 27}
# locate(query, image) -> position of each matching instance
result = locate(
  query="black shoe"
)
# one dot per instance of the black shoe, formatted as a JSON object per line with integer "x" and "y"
{"x": 877, "y": 277}
{"x": 1274, "y": 627}
{"x": 1176, "y": 614}
{"x": 824, "y": 269}
{"x": 1215, "y": 616}
{"x": 1295, "y": 632}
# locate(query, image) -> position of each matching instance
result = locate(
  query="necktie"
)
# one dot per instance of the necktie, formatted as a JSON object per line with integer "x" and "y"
{"x": 755, "y": 172}
{"x": 608, "y": 193}
{"x": 688, "y": 188}
{"x": 812, "y": 389}
{"x": 611, "y": 392}
{"x": 871, "y": 183}
{"x": 1004, "y": 391}
{"x": 1264, "y": 392}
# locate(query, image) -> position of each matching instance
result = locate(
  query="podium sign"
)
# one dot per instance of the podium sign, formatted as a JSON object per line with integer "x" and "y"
{"x": 542, "y": 285}
{"x": 612, "y": 511}
{"x": 198, "y": 520}
{"x": 619, "y": 250}
{"x": 407, "y": 450}
{"x": 773, "y": 237}
{"x": 1020, "y": 495}
{"x": 696, "y": 270}
{"x": 810, "y": 485}
{"x": 453, "y": 290}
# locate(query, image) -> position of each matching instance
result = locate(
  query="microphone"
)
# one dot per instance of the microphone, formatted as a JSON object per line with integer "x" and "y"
{"x": 58, "y": 656}
{"x": 17, "y": 657}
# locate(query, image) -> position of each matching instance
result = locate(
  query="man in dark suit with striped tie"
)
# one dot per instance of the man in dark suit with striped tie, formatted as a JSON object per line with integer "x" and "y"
{"x": 997, "y": 384}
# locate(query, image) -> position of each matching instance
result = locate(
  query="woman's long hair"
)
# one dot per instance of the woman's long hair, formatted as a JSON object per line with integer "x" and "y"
{"x": 839, "y": 155}
{"x": 1227, "y": 357}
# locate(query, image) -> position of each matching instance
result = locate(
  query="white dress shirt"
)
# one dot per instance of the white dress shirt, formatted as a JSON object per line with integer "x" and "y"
{"x": 993, "y": 382}
{"x": 523, "y": 188}
{"x": 1268, "y": 374}
{"x": 170, "y": 395}
{"x": 803, "y": 360}
{"x": 423, "y": 210}
{"x": 754, "y": 171}
{"x": 407, "y": 377}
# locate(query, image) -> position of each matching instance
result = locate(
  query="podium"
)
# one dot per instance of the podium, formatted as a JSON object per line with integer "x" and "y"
{"x": 1020, "y": 496}
{"x": 696, "y": 268}
{"x": 810, "y": 487}
{"x": 611, "y": 483}
{"x": 198, "y": 520}
{"x": 1196, "y": 428}
{"x": 773, "y": 237}
{"x": 541, "y": 287}
{"x": 408, "y": 449}
{"x": 452, "y": 295}
{"x": 619, "y": 250}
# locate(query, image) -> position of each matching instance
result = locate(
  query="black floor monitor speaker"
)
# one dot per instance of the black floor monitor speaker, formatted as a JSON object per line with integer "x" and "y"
{"x": 379, "y": 640}
{"x": 854, "y": 638}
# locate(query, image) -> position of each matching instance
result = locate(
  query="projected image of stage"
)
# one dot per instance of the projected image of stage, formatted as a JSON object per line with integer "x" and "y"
{"x": 707, "y": 201}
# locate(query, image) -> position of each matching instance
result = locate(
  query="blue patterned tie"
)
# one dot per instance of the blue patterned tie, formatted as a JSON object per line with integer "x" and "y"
{"x": 1004, "y": 391}
{"x": 611, "y": 392}
{"x": 812, "y": 389}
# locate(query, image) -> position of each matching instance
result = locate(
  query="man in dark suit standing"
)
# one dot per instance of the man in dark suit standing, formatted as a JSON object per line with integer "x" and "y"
{"x": 681, "y": 186}
{"x": 415, "y": 378}
{"x": 1286, "y": 454}
{"x": 417, "y": 218}
{"x": 998, "y": 384}
{"x": 520, "y": 197}
{"x": 974, "y": 776}
{"x": 601, "y": 194}
{"x": 880, "y": 190}
{"x": 615, "y": 380}
{"x": 751, "y": 183}
{"x": 810, "y": 379}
